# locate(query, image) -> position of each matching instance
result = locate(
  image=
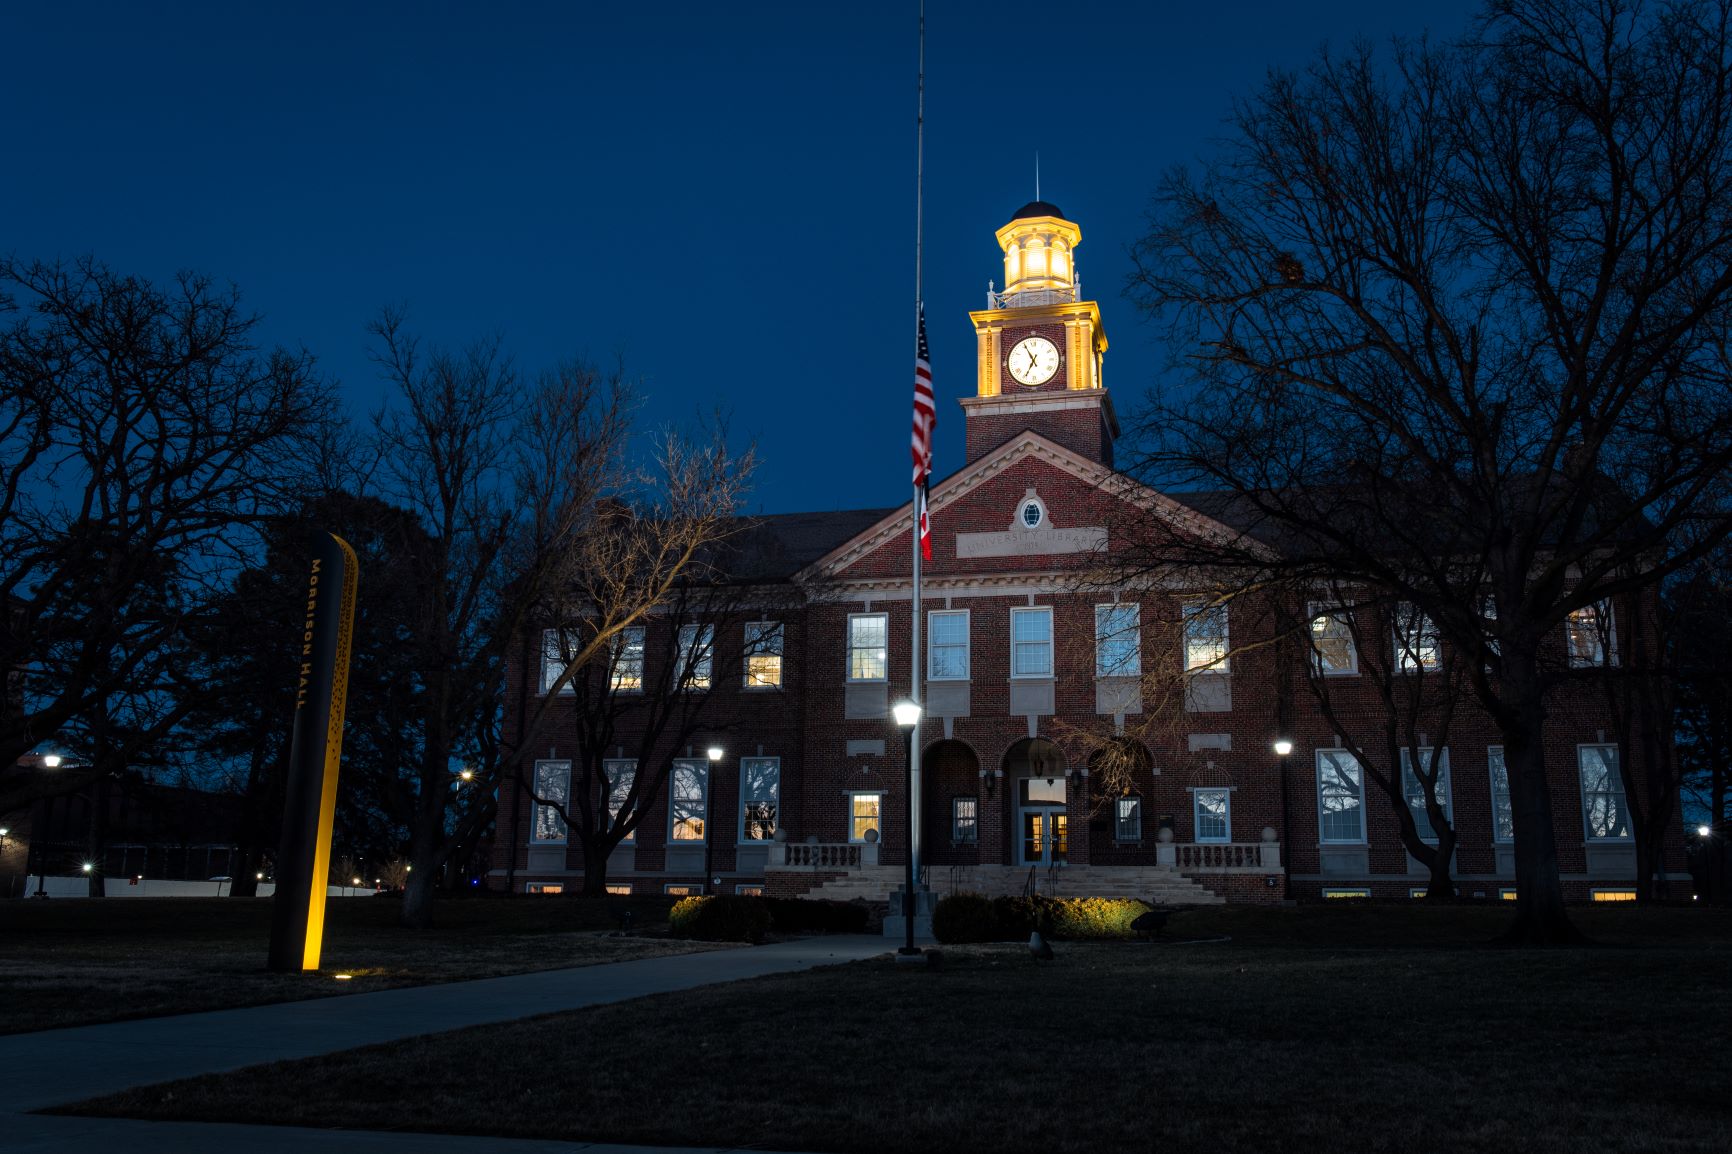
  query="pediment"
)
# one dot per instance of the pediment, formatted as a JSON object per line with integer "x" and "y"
{"x": 975, "y": 515}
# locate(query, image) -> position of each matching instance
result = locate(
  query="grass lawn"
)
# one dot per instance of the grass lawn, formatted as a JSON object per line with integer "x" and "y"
{"x": 1315, "y": 1028}
{"x": 67, "y": 963}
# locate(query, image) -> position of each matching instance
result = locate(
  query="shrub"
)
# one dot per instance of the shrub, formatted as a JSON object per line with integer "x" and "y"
{"x": 720, "y": 918}
{"x": 809, "y": 915}
{"x": 964, "y": 918}
{"x": 972, "y": 918}
{"x": 1091, "y": 919}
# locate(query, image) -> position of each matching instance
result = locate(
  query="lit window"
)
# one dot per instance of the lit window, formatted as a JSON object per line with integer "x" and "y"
{"x": 1417, "y": 891}
{"x": 964, "y": 820}
{"x": 697, "y": 654}
{"x": 749, "y": 891}
{"x": 760, "y": 792}
{"x": 1414, "y": 790}
{"x": 544, "y": 888}
{"x": 1031, "y": 642}
{"x": 947, "y": 645}
{"x": 688, "y": 800}
{"x": 763, "y": 655}
{"x": 1340, "y": 797}
{"x": 1118, "y": 641}
{"x": 1592, "y": 638}
{"x": 1613, "y": 895}
{"x": 1211, "y": 810}
{"x": 552, "y": 790}
{"x": 558, "y": 649}
{"x": 619, "y": 889}
{"x": 682, "y": 890}
{"x": 620, "y": 775}
{"x": 1416, "y": 644}
{"x": 1603, "y": 808}
{"x": 868, "y": 646}
{"x": 627, "y": 675}
{"x": 1346, "y": 894}
{"x": 1205, "y": 637}
{"x": 1506, "y": 895}
{"x": 1502, "y": 813}
{"x": 864, "y": 808}
{"x": 1332, "y": 649}
{"x": 1128, "y": 819}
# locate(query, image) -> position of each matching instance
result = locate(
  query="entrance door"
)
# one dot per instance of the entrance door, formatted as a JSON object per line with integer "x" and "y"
{"x": 1042, "y": 822}
{"x": 1045, "y": 836}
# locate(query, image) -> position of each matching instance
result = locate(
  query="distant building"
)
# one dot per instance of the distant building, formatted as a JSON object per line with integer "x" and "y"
{"x": 1016, "y": 664}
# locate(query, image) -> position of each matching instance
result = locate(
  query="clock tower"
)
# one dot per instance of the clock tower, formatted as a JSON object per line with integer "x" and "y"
{"x": 1040, "y": 346}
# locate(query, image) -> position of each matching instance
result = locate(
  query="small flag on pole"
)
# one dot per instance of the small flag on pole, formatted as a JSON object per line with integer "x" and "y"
{"x": 925, "y": 411}
{"x": 925, "y": 522}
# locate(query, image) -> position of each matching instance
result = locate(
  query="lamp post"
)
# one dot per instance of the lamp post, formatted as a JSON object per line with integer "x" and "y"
{"x": 908, "y": 719}
{"x": 714, "y": 753}
{"x": 1284, "y": 747}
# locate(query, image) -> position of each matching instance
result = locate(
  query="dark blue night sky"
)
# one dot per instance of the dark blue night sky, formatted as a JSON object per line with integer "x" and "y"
{"x": 720, "y": 194}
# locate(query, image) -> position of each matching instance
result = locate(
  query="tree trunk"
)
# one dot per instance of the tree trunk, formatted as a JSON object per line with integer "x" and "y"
{"x": 595, "y": 855}
{"x": 1441, "y": 887}
{"x": 418, "y": 895}
{"x": 1541, "y": 919}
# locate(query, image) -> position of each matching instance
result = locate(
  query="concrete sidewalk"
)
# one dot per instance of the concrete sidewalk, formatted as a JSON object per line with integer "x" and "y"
{"x": 57, "y": 1067}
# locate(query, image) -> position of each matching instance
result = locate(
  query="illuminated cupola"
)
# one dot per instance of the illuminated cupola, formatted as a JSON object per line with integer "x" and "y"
{"x": 1040, "y": 346}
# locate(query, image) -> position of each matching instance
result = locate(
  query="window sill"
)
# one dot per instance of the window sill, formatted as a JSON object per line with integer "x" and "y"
{"x": 760, "y": 689}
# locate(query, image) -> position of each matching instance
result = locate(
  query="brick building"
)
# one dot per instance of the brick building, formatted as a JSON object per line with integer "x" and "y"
{"x": 1054, "y": 751}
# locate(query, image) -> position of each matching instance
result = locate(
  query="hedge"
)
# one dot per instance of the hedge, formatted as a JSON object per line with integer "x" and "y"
{"x": 720, "y": 918}
{"x": 810, "y": 915}
{"x": 973, "y": 918}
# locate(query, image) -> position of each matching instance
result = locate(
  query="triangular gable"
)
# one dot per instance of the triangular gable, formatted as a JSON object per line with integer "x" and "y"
{"x": 897, "y": 525}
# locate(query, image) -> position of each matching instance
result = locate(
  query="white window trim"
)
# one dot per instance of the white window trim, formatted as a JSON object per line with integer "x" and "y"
{"x": 1118, "y": 833}
{"x": 1448, "y": 786}
{"x": 1609, "y": 658}
{"x": 973, "y": 797}
{"x": 854, "y": 793}
{"x": 848, "y": 651}
{"x": 535, "y": 806}
{"x": 746, "y": 655}
{"x": 1217, "y": 668}
{"x": 1024, "y": 502}
{"x": 1509, "y": 794}
{"x": 740, "y": 837}
{"x": 1051, "y": 644}
{"x": 1196, "y": 815}
{"x": 1408, "y": 659}
{"x": 630, "y": 838}
{"x": 553, "y": 635}
{"x": 703, "y": 640}
{"x": 1137, "y": 639}
{"x": 1588, "y": 834}
{"x": 616, "y": 647}
{"x": 1318, "y": 609}
{"x": 703, "y": 776}
{"x": 1317, "y": 793}
{"x": 967, "y": 644}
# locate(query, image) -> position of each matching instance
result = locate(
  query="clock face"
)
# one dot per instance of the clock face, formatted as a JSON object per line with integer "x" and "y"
{"x": 1033, "y": 361}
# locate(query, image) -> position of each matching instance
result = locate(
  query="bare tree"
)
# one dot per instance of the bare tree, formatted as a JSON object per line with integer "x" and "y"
{"x": 1455, "y": 325}
{"x": 634, "y": 623}
{"x": 507, "y": 482}
{"x": 143, "y": 440}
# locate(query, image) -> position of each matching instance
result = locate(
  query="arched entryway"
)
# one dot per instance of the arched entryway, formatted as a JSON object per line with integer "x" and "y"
{"x": 1037, "y": 797}
{"x": 951, "y": 803}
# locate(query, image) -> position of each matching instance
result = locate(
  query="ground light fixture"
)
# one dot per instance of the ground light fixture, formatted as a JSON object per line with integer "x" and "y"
{"x": 1283, "y": 747}
{"x": 907, "y": 714}
{"x": 52, "y": 761}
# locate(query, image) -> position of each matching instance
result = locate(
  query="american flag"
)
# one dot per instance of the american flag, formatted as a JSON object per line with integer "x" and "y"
{"x": 925, "y": 522}
{"x": 925, "y": 411}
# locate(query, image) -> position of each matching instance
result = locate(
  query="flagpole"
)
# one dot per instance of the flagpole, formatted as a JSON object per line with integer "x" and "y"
{"x": 915, "y": 687}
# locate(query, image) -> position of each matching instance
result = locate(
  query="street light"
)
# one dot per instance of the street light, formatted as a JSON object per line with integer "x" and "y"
{"x": 907, "y": 715}
{"x": 88, "y": 867}
{"x": 52, "y": 760}
{"x": 1701, "y": 831}
{"x": 1283, "y": 747}
{"x": 714, "y": 753}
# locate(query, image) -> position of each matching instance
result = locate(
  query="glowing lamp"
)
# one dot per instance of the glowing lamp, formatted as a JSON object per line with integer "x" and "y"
{"x": 52, "y": 761}
{"x": 1701, "y": 831}
{"x": 907, "y": 713}
{"x": 1283, "y": 747}
{"x": 88, "y": 867}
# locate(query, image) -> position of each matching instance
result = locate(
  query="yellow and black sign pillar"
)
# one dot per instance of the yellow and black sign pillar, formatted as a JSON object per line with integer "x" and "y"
{"x": 315, "y": 750}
